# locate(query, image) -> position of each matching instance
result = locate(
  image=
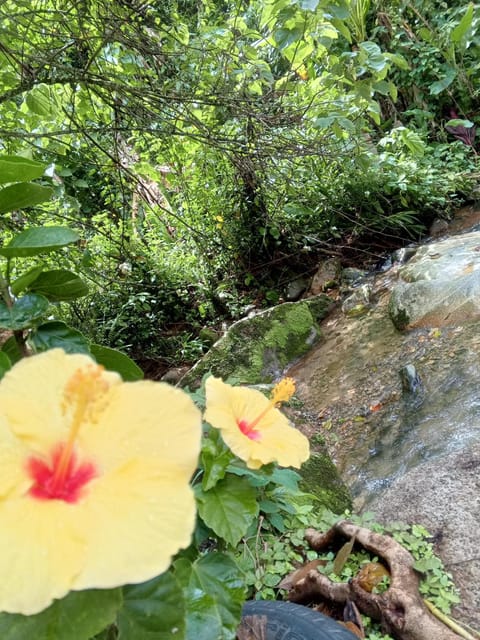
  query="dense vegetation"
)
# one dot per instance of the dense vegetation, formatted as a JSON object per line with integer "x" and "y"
{"x": 163, "y": 167}
{"x": 208, "y": 152}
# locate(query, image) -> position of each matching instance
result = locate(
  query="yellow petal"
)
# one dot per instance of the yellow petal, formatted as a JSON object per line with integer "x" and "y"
{"x": 41, "y": 554}
{"x": 135, "y": 520}
{"x": 144, "y": 419}
{"x": 277, "y": 441}
{"x": 32, "y": 394}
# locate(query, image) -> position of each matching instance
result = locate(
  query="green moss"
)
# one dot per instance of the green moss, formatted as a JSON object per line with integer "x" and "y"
{"x": 321, "y": 478}
{"x": 257, "y": 350}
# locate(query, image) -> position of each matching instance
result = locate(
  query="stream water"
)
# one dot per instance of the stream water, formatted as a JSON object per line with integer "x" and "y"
{"x": 375, "y": 428}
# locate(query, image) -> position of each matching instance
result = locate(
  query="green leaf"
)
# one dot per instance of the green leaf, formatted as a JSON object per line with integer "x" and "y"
{"x": 215, "y": 458}
{"x": 11, "y": 349}
{"x": 214, "y": 595}
{"x": 463, "y": 26}
{"x": 57, "y": 334}
{"x": 446, "y": 81}
{"x": 78, "y": 616}
{"x": 38, "y": 240}
{"x": 19, "y": 196}
{"x": 24, "y": 312}
{"x": 59, "y": 284}
{"x": 228, "y": 508}
{"x": 18, "y": 169}
{"x": 114, "y": 360}
{"x": 22, "y": 283}
{"x": 39, "y": 100}
{"x": 153, "y": 610}
{"x": 5, "y": 364}
{"x": 310, "y": 5}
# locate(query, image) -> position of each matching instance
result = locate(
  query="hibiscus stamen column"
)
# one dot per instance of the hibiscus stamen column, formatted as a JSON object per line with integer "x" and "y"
{"x": 282, "y": 392}
{"x": 64, "y": 480}
{"x": 81, "y": 391}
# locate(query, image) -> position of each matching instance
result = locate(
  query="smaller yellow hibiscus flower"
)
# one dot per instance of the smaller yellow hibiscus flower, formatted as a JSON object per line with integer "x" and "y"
{"x": 94, "y": 479}
{"x": 251, "y": 425}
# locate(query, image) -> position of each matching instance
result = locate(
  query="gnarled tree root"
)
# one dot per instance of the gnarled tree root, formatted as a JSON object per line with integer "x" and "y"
{"x": 400, "y": 609}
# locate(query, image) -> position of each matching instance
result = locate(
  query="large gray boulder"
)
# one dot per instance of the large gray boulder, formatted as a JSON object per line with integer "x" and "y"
{"x": 444, "y": 496}
{"x": 440, "y": 285}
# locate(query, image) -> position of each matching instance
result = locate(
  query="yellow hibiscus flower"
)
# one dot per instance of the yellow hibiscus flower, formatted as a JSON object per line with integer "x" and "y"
{"x": 252, "y": 427}
{"x": 94, "y": 479}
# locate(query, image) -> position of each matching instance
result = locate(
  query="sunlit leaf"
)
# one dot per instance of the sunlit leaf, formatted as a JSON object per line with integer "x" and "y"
{"x": 19, "y": 169}
{"x": 22, "y": 195}
{"x": 37, "y": 240}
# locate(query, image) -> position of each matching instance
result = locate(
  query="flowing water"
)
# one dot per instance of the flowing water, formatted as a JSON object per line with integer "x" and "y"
{"x": 377, "y": 428}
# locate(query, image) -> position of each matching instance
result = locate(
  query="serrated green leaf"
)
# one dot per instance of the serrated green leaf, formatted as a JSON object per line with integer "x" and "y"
{"x": 5, "y": 364}
{"x": 215, "y": 459}
{"x": 18, "y": 169}
{"x": 22, "y": 283}
{"x": 24, "y": 312}
{"x": 78, "y": 616}
{"x": 24, "y": 194}
{"x": 57, "y": 334}
{"x": 59, "y": 285}
{"x": 153, "y": 610}
{"x": 38, "y": 240}
{"x": 228, "y": 508}
{"x": 214, "y": 595}
{"x": 114, "y": 360}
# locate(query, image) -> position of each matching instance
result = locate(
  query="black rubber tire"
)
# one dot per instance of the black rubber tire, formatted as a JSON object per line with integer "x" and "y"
{"x": 289, "y": 621}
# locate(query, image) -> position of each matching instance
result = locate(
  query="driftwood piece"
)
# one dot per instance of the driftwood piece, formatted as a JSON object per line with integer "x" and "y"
{"x": 400, "y": 608}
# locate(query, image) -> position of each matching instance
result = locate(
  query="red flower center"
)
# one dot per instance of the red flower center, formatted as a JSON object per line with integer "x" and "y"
{"x": 63, "y": 479}
{"x": 247, "y": 428}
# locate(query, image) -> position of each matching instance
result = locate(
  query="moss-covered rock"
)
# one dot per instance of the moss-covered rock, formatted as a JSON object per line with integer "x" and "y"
{"x": 321, "y": 478}
{"x": 257, "y": 349}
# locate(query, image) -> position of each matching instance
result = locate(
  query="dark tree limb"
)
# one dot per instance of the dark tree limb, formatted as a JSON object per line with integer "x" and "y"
{"x": 400, "y": 609}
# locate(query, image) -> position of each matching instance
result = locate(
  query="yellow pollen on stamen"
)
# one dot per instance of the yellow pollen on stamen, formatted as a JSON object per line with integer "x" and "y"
{"x": 82, "y": 392}
{"x": 281, "y": 392}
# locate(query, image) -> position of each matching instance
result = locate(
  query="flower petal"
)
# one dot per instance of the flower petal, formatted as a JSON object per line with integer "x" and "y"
{"x": 277, "y": 441}
{"x": 41, "y": 554}
{"x": 135, "y": 519}
{"x": 32, "y": 393}
{"x": 145, "y": 419}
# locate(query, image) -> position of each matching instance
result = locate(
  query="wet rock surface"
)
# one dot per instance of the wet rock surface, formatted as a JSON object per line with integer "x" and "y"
{"x": 400, "y": 413}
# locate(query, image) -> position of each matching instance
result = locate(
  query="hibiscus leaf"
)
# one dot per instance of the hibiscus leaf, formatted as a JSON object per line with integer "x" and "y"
{"x": 214, "y": 595}
{"x": 58, "y": 285}
{"x": 228, "y": 508}
{"x": 5, "y": 364}
{"x": 114, "y": 360}
{"x": 21, "y": 195}
{"x": 37, "y": 240}
{"x": 78, "y": 616}
{"x": 24, "y": 312}
{"x": 153, "y": 610}
{"x": 56, "y": 334}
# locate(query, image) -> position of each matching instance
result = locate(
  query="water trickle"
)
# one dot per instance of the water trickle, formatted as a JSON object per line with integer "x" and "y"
{"x": 387, "y": 401}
